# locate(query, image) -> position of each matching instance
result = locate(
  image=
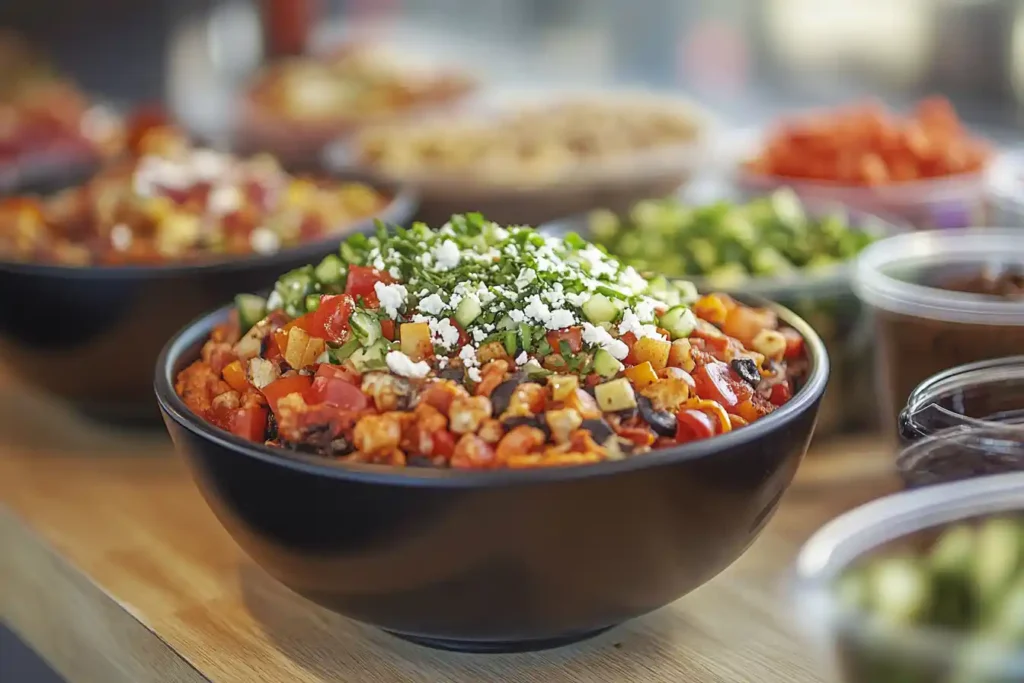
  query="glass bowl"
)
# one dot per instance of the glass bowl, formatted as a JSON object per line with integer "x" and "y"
{"x": 862, "y": 650}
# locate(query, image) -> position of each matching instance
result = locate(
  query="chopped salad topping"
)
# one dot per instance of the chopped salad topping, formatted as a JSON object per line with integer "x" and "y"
{"x": 479, "y": 346}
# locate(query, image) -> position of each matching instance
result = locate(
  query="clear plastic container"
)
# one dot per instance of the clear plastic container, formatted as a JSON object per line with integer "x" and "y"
{"x": 1005, "y": 184}
{"x": 940, "y": 203}
{"x": 862, "y": 650}
{"x": 922, "y": 329}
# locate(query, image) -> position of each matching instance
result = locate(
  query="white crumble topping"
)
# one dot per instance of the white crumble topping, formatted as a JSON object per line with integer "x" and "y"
{"x": 391, "y": 297}
{"x": 401, "y": 364}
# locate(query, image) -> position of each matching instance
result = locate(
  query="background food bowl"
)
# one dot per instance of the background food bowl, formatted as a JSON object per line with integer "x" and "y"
{"x": 861, "y": 650}
{"x": 1005, "y": 181}
{"x": 824, "y": 299}
{"x": 90, "y": 335}
{"x": 616, "y": 184}
{"x": 951, "y": 202}
{"x": 500, "y": 560}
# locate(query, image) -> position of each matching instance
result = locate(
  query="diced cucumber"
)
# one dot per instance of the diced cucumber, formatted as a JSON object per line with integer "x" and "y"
{"x": 600, "y": 309}
{"x": 370, "y": 358}
{"x": 366, "y": 327}
{"x": 679, "y": 321}
{"x": 312, "y": 302}
{"x": 342, "y": 353}
{"x": 615, "y": 395}
{"x": 510, "y": 342}
{"x": 526, "y": 335}
{"x": 506, "y": 323}
{"x": 605, "y": 364}
{"x": 330, "y": 271}
{"x": 251, "y": 310}
{"x": 293, "y": 287}
{"x": 467, "y": 311}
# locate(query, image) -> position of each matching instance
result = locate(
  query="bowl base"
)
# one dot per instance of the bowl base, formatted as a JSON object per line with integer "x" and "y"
{"x": 497, "y": 646}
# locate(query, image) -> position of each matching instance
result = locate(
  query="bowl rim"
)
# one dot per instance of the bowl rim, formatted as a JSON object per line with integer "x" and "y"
{"x": 402, "y": 206}
{"x": 829, "y": 281}
{"x": 195, "y": 332}
{"x": 838, "y": 544}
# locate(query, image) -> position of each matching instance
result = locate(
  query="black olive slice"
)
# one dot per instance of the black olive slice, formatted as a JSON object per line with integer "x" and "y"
{"x": 662, "y": 422}
{"x": 746, "y": 368}
{"x": 600, "y": 431}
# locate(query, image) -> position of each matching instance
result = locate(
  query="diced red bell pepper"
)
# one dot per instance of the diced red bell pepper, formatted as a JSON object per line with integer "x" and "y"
{"x": 443, "y": 443}
{"x": 284, "y": 386}
{"x": 332, "y": 316}
{"x": 715, "y": 381}
{"x": 249, "y": 423}
{"x": 387, "y": 328}
{"x": 781, "y": 393}
{"x": 361, "y": 281}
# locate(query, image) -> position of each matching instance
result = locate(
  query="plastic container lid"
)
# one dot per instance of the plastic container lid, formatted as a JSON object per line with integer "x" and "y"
{"x": 962, "y": 453}
{"x": 900, "y": 274}
{"x": 1005, "y": 181}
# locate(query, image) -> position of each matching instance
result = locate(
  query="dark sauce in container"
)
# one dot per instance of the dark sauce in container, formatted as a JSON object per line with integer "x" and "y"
{"x": 941, "y": 300}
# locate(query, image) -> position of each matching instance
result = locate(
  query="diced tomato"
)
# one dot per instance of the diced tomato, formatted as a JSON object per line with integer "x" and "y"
{"x": 280, "y": 388}
{"x": 336, "y": 392}
{"x": 361, "y": 282}
{"x": 794, "y": 343}
{"x": 715, "y": 381}
{"x": 387, "y": 328}
{"x": 592, "y": 380}
{"x": 693, "y": 425}
{"x": 629, "y": 339}
{"x": 333, "y": 315}
{"x": 573, "y": 336}
{"x": 444, "y": 443}
{"x": 463, "y": 337}
{"x": 249, "y": 423}
{"x": 337, "y": 372}
{"x": 780, "y": 393}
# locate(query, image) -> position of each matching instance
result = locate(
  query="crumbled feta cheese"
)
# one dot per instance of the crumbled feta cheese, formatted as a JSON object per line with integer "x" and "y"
{"x": 121, "y": 237}
{"x": 633, "y": 280}
{"x": 264, "y": 241}
{"x": 432, "y": 305}
{"x": 447, "y": 255}
{"x": 426, "y": 259}
{"x": 391, "y": 296}
{"x": 517, "y": 315}
{"x": 401, "y": 364}
{"x": 598, "y": 336}
{"x": 274, "y": 301}
{"x": 479, "y": 334}
{"x": 644, "y": 310}
{"x": 522, "y": 359}
{"x": 444, "y": 333}
{"x": 560, "y": 319}
{"x": 474, "y": 374}
{"x": 537, "y": 309}
{"x": 526, "y": 277}
{"x": 631, "y": 323}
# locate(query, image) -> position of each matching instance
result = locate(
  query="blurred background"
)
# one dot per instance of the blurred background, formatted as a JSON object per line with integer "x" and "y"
{"x": 747, "y": 58}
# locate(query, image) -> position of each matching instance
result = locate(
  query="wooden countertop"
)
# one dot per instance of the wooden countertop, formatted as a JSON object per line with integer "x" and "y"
{"x": 113, "y": 569}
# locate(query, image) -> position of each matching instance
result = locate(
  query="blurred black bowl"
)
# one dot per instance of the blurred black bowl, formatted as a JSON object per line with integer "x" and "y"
{"x": 502, "y": 560}
{"x": 90, "y": 335}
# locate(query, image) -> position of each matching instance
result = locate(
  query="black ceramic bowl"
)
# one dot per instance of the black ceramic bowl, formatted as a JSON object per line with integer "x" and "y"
{"x": 502, "y": 560}
{"x": 90, "y": 334}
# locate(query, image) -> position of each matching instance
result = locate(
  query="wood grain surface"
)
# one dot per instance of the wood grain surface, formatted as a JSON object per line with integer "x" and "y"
{"x": 113, "y": 569}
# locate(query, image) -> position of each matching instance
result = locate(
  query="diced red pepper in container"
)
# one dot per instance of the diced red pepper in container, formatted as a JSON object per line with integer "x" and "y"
{"x": 794, "y": 344}
{"x": 280, "y": 388}
{"x": 443, "y": 443}
{"x": 629, "y": 339}
{"x": 387, "y": 328}
{"x": 463, "y": 337}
